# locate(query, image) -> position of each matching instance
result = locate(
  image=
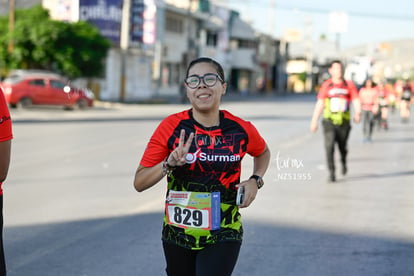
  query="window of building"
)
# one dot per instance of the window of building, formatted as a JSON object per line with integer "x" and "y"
{"x": 234, "y": 44}
{"x": 211, "y": 39}
{"x": 174, "y": 25}
{"x": 170, "y": 74}
{"x": 240, "y": 43}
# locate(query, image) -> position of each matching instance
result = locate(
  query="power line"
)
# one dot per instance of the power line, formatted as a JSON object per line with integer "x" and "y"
{"x": 264, "y": 4}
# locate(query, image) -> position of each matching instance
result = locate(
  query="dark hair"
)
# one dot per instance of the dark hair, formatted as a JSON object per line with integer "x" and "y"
{"x": 211, "y": 61}
{"x": 336, "y": 61}
{"x": 373, "y": 84}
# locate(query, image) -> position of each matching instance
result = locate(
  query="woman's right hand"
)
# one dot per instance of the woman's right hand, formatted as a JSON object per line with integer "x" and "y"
{"x": 177, "y": 157}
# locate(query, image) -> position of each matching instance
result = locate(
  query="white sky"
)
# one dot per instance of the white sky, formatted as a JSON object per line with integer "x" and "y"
{"x": 369, "y": 21}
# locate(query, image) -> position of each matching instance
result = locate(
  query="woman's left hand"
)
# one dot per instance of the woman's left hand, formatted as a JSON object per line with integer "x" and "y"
{"x": 250, "y": 191}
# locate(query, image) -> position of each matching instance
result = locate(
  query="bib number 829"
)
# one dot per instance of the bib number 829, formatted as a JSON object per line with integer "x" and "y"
{"x": 188, "y": 217}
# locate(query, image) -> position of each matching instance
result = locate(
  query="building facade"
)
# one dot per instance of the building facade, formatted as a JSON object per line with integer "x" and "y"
{"x": 154, "y": 40}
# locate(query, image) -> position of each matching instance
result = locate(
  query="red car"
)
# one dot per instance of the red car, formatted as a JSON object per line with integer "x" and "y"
{"x": 39, "y": 88}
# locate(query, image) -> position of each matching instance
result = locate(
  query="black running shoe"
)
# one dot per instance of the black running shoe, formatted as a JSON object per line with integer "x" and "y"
{"x": 344, "y": 169}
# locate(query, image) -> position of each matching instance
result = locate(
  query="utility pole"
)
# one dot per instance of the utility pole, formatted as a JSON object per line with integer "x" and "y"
{"x": 270, "y": 78}
{"x": 11, "y": 25}
{"x": 309, "y": 55}
{"x": 124, "y": 44}
{"x": 272, "y": 9}
{"x": 190, "y": 52}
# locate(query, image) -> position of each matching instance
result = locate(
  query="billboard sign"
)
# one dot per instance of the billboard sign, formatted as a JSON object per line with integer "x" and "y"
{"x": 106, "y": 15}
{"x": 142, "y": 25}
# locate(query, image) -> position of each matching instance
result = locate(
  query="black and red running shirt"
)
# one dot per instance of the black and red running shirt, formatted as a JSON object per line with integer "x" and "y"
{"x": 217, "y": 152}
{"x": 213, "y": 165}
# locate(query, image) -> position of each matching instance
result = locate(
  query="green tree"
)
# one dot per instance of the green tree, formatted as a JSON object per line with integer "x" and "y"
{"x": 73, "y": 49}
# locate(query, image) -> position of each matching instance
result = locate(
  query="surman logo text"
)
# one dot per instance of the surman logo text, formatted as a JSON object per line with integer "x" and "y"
{"x": 202, "y": 156}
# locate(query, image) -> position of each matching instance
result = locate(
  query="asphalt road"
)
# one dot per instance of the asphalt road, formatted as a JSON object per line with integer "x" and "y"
{"x": 70, "y": 207}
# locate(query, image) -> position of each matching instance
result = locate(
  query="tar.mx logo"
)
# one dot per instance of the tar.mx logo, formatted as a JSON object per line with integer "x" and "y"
{"x": 289, "y": 168}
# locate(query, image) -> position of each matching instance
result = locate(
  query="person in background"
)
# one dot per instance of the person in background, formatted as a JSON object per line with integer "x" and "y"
{"x": 397, "y": 88}
{"x": 392, "y": 97}
{"x": 383, "y": 103}
{"x": 200, "y": 150}
{"x": 369, "y": 107}
{"x": 406, "y": 97}
{"x": 334, "y": 98}
{"x": 5, "y": 151}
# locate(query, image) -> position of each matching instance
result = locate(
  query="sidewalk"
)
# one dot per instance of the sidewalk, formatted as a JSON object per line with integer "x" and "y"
{"x": 158, "y": 109}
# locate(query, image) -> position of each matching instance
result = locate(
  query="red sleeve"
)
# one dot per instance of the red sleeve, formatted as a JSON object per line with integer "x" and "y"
{"x": 257, "y": 144}
{"x": 157, "y": 149}
{"x": 5, "y": 120}
{"x": 323, "y": 91}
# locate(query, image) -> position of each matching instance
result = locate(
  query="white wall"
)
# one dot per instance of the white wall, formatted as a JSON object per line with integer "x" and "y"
{"x": 138, "y": 78}
{"x": 243, "y": 58}
{"x": 111, "y": 85}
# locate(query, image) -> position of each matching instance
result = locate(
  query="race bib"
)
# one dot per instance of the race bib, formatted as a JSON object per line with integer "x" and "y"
{"x": 193, "y": 210}
{"x": 338, "y": 105}
{"x": 406, "y": 95}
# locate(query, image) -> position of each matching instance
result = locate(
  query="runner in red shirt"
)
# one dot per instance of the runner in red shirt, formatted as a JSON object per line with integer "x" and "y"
{"x": 406, "y": 98}
{"x": 368, "y": 96}
{"x": 334, "y": 99}
{"x": 5, "y": 148}
{"x": 201, "y": 150}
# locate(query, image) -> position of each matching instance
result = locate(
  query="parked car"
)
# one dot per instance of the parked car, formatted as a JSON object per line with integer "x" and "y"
{"x": 26, "y": 88}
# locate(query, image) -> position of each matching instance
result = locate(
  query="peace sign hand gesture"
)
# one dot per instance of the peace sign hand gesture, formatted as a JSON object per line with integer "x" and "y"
{"x": 178, "y": 155}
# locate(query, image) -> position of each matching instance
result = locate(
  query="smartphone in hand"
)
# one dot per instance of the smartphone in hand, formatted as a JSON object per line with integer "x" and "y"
{"x": 240, "y": 196}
